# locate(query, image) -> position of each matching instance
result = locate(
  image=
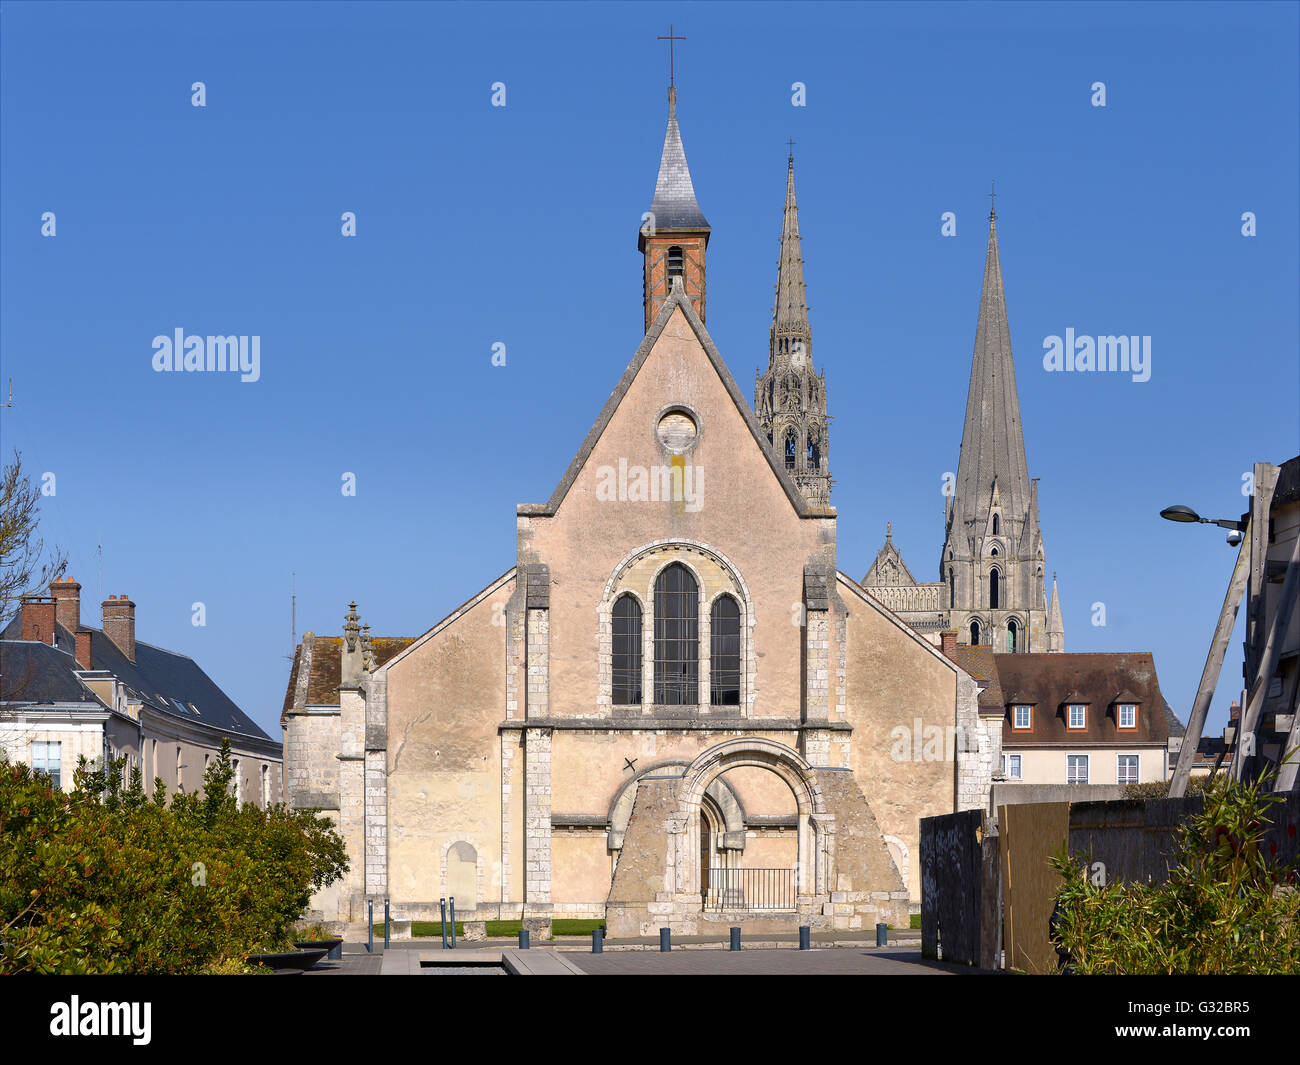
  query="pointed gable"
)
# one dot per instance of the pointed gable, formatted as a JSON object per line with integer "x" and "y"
{"x": 888, "y": 569}
{"x": 675, "y": 304}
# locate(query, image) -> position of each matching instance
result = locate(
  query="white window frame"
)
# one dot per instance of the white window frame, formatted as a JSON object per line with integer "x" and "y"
{"x": 1137, "y": 768}
{"x": 1029, "y": 716}
{"x": 1086, "y": 776}
{"x": 1011, "y": 766}
{"x": 1083, "y": 715}
{"x": 51, "y": 751}
{"x": 1119, "y": 716}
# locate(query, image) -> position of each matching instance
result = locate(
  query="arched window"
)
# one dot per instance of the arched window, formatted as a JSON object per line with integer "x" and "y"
{"x": 724, "y": 648}
{"x": 993, "y": 589}
{"x": 994, "y": 551}
{"x": 791, "y": 448}
{"x": 814, "y": 456}
{"x": 1012, "y": 634}
{"x": 952, "y": 589}
{"x": 995, "y": 525}
{"x": 676, "y": 266}
{"x": 627, "y": 652}
{"x": 974, "y": 633}
{"x": 677, "y": 641}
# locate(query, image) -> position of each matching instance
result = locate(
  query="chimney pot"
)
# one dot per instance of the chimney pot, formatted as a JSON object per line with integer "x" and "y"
{"x": 38, "y": 618}
{"x": 949, "y": 638}
{"x": 119, "y": 624}
{"x": 67, "y": 603}
{"x": 83, "y": 649}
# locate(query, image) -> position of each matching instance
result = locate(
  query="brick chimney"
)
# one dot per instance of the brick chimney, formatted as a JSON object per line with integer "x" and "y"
{"x": 38, "y": 618}
{"x": 119, "y": 623}
{"x": 67, "y": 603}
{"x": 83, "y": 649}
{"x": 949, "y": 646}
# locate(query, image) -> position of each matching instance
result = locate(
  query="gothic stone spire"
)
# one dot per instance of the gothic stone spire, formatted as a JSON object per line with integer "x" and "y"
{"x": 790, "y": 399}
{"x": 993, "y": 551}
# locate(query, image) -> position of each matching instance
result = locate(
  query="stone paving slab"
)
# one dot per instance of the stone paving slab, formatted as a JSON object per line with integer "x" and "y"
{"x": 784, "y": 962}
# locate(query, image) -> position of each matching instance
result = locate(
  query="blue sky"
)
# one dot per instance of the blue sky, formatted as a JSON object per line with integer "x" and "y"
{"x": 479, "y": 225}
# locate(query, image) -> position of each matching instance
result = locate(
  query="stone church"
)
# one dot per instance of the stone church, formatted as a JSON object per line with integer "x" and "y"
{"x": 673, "y": 709}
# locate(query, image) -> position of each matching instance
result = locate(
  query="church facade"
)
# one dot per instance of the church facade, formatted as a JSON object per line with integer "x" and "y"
{"x": 673, "y": 709}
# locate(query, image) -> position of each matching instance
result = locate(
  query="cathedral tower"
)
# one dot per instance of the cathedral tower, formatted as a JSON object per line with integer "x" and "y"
{"x": 674, "y": 234}
{"x": 992, "y": 561}
{"x": 790, "y": 399}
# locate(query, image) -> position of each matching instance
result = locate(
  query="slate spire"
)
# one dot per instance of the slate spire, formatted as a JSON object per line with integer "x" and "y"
{"x": 674, "y": 205}
{"x": 1055, "y": 626}
{"x": 790, "y": 314}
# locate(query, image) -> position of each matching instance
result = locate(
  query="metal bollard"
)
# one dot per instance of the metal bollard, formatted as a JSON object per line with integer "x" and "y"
{"x": 882, "y": 934}
{"x": 451, "y": 904}
{"x": 388, "y": 924}
{"x": 370, "y": 925}
{"x": 523, "y": 939}
{"x": 665, "y": 940}
{"x": 442, "y": 903}
{"x": 805, "y": 937}
{"x": 735, "y": 939}
{"x": 598, "y": 941}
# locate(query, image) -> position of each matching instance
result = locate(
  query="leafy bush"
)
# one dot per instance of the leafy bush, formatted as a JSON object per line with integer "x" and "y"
{"x": 1227, "y": 907}
{"x": 104, "y": 880}
{"x": 1159, "y": 789}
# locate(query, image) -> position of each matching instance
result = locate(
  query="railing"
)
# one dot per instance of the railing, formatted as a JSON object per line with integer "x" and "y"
{"x": 751, "y": 890}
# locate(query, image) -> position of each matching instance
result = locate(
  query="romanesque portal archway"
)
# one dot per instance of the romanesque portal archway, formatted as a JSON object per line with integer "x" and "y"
{"x": 815, "y": 832}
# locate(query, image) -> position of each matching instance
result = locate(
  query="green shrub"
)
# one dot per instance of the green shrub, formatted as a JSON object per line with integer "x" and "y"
{"x": 103, "y": 880}
{"x": 1159, "y": 789}
{"x": 1227, "y": 907}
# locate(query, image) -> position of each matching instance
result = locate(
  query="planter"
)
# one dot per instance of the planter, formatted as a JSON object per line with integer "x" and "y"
{"x": 300, "y": 960}
{"x": 333, "y": 946}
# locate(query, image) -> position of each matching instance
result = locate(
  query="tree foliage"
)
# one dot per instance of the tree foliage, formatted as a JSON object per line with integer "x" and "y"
{"x": 25, "y": 565}
{"x": 1228, "y": 906}
{"x": 105, "y": 880}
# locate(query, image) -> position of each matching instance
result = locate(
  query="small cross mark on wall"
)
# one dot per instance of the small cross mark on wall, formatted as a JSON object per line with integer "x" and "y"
{"x": 629, "y": 763}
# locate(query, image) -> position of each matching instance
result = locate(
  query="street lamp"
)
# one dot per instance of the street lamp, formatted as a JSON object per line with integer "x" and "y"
{"x": 1187, "y": 514}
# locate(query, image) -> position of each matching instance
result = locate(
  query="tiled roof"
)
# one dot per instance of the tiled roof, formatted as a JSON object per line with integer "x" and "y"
{"x": 327, "y": 666}
{"x": 1048, "y": 681}
{"x": 33, "y": 672}
{"x": 979, "y": 662}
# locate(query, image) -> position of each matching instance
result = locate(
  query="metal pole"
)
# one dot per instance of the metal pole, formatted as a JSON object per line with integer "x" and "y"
{"x": 1210, "y": 674}
{"x": 388, "y": 924}
{"x": 370, "y": 925}
{"x": 598, "y": 941}
{"x": 735, "y": 939}
{"x": 442, "y": 903}
{"x": 451, "y": 902}
{"x": 665, "y": 940}
{"x": 523, "y": 939}
{"x": 882, "y": 934}
{"x": 805, "y": 937}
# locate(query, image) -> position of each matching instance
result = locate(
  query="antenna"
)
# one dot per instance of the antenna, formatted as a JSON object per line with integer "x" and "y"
{"x": 99, "y": 555}
{"x": 11, "y": 393}
{"x": 293, "y": 616}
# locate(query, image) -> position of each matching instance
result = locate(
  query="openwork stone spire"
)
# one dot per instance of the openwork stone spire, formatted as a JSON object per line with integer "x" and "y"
{"x": 790, "y": 399}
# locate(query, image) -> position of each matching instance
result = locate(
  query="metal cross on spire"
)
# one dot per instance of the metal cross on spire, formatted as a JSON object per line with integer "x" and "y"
{"x": 992, "y": 200}
{"x": 790, "y": 142}
{"x": 670, "y": 39}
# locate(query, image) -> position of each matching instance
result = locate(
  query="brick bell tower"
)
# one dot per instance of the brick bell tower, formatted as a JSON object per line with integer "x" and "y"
{"x": 674, "y": 234}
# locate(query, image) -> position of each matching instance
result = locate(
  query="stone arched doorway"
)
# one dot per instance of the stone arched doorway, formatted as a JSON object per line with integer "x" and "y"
{"x": 815, "y": 824}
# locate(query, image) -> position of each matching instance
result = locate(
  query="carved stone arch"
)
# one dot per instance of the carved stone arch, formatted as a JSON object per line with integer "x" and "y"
{"x": 816, "y": 825}
{"x": 720, "y": 791}
{"x": 462, "y": 853}
{"x": 902, "y": 859}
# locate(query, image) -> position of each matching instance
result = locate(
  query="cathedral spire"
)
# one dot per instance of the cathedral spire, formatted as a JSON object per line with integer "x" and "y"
{"x": 992, "y": 443}
{"x": 790, "y": 314}
{"x": 674, "y": 232}
{"x": 790, "y": 399}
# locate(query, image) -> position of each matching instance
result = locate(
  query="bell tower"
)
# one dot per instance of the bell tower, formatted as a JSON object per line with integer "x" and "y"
{"x": 674, "y": 233}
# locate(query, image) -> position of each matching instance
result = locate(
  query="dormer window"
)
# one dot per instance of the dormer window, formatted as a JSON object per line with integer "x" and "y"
{"x": 1126, "y": 715}
{"x": 1022, "y": 717}
{"x": 1077, "y": 716}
